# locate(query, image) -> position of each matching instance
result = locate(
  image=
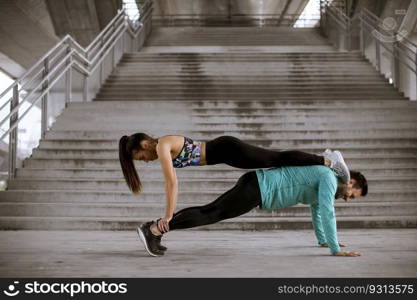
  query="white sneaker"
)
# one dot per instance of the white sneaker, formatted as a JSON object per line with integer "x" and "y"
{"x": 338, "y": 164}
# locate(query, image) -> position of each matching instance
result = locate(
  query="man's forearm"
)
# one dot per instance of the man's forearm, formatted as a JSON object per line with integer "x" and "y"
{"x": 317, "y": 225}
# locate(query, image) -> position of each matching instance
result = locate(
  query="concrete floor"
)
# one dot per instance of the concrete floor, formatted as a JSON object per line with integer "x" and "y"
{"x": 386, "y": 253}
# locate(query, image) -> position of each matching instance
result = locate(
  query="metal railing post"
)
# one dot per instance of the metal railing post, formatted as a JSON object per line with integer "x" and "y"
{"x": 13, "y": 134}
{"x": 362, "y": 35}
{"x": 415, "y": 65}
{"x": 101, "y": 66}
{"x": 85, "y": 88}
{"x": 44, "y": 115}
{"x": 377, "y": 55}
{"x": 85, "y": 85}
{"x": 349, "y": 36}
{"x": 123, "y": 42}
{"x": 68, "y": 80}
{"x": 340, "y": 36}
{"x": 395, "y": 64}
{"x": 113, "y": 54}
{"x": 132, "y": 46}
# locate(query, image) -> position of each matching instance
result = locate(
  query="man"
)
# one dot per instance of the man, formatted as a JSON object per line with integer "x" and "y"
{"x": 317, "y": 186}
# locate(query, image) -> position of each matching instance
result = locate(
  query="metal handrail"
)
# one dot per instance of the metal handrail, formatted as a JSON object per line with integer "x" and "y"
{"x": 370, "y": 28}
{"x": 73, "y": 51}
{"x": 43, "y": 81}
{"x": 64, "y": 56}
{"x": 379, "y": 21}
{"x": 382, "y": 44}
{"x": 402, "y": 50}
{"x": 97, "y": 38}
{"x": 42, "y": 59}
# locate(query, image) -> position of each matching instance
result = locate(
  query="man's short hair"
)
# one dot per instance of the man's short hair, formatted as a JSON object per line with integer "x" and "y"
{"x": 361, "y": 182}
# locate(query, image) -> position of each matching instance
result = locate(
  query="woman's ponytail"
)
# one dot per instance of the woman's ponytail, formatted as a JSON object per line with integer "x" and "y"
{"x": 128, "y": 167}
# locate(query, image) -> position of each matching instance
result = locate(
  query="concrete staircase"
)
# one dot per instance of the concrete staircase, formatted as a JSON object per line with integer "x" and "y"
{"x": 235, "y": 36}
{"x": 279, "y": 99}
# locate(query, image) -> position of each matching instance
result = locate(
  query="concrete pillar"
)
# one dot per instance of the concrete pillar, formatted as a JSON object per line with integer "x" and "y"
{"x": 396, "y": 16}
{"x": 409, "y": 22}
{"x": 106, "y": 10}
{"x": 375, "y": 7}
{"x": 409, "y": 27}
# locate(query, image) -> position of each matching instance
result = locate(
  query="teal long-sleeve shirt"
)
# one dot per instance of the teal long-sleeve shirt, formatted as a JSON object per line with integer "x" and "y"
{"x": 312, "y": 185}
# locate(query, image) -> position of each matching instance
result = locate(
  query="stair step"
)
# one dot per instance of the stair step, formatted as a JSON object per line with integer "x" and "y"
{"x": 250, "y": 135}
{"x": 225, "y": 84}
{"x": 114, "y": 163}
{"x": 281, "y": 104}
{"x": 10, "y": 209}
{"x": 151, "y": 184}
{"x": 249, "y": 97}
{"x": 371, "y": 152}
{"x": 317, "y": 145}
{"x": 204, "y": 196}
{"x": 240, "y": 223}
{"x": 90, "y": 173}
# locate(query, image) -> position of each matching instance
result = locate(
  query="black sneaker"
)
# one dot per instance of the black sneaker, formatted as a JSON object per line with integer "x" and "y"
{"x": 149, "y": 240}
{"x": 158, "y": 239}
{"x": 158, "y": 243}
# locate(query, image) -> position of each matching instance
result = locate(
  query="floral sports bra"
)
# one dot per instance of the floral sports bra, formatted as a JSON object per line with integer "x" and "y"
{"x": 189, "y": 155}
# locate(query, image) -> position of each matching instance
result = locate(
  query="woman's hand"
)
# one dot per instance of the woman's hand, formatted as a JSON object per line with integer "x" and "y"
{"x": 163, "y": 224}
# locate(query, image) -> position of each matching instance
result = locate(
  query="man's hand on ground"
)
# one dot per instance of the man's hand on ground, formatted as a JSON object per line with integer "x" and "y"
{"x": 325, "y": 245}
{"x": 347, "y": 253}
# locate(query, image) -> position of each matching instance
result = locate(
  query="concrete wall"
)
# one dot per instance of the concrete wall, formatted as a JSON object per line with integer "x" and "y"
{"x": 396, "y": 16}
{"x": 29, "y": 29}
{"x": 224, "y": 9}
{"x": 106, "y": 10}
{"x": 26, "y": 32}
{"x": 82, "y": 19}
{"x": 409, "y": 27}
{"x": 75, "y": 17}
{"x": 10, "y": 67}
{"x": 374, "y": 6}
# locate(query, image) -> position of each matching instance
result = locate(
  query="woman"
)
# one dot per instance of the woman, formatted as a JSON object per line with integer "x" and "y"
{"x": 175, "y": 151}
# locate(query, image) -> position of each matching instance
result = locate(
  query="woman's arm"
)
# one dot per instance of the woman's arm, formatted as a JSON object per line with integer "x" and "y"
{"x": 171, "y": 184}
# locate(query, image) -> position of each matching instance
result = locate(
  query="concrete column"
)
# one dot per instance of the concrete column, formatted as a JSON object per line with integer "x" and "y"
{"x": 106, "y": 10}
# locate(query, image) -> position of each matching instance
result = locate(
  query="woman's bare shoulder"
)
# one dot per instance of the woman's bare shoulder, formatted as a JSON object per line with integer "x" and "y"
{"x": 171, "y": 142}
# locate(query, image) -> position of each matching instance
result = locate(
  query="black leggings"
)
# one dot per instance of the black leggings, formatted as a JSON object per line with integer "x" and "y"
{"x": 233, "y": 152}
{"x": 243, "y": 197}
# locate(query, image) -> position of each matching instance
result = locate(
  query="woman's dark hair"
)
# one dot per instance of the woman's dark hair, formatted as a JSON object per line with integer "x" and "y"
{"x": 361, "y": 182}
{"x": 128, "y": 144}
